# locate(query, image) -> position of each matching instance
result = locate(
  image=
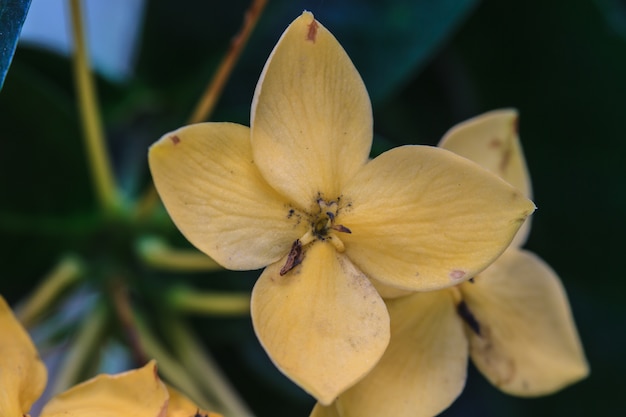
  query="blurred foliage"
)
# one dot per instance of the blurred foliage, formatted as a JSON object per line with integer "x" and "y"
{"x": 427, "y": 66}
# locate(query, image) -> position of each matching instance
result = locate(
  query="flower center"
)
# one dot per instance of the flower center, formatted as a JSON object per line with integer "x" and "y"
{"x": 324, "y": 221}
{"x": 320, "y": 228}
{"x": 323, "y": 228}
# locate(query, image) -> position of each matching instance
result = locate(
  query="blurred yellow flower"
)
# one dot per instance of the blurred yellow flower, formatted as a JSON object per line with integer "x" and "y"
{"x": 513, "y": 319}
{"x": 138, "y": 393}
{"x": 296, "y": 192}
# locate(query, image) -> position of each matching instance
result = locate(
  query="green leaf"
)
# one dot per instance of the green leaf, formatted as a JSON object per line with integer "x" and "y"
{"x": 12, "y": 16}
{"x": 43, "y": 160}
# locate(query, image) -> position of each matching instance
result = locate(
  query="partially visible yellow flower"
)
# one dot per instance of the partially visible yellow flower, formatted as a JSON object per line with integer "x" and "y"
{"x": 513, "y": 319}
{"x": 137, "y": 393}
{"x": 296, "y": 192}
{"x": 526, "y": 341}
{"x": 181, "y": 406}
{"x": 22, "y": 373}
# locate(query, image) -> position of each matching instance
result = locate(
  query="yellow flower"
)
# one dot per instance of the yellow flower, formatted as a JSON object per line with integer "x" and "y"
{"x": 296, "y": 192}
{"x": 512, "y": 319}
{"x": 138, "y": 393}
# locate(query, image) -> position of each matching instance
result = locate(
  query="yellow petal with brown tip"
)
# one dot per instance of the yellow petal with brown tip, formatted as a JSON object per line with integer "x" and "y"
{"x": 217, "y": 197}
{"x": 311, "y": 116}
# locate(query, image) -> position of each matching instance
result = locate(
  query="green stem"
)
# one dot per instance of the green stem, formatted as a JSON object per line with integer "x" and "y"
{"x": 207, "y": 102}
{"x": 102, "y": 176}
{"x": 124, "y": 311}
{"x": 157, "y": 253}
{"x": 216, "y": 303}
{"x": 62, "y": 276}
{"x": 213, "y": 91}
{"x": 205, "y": 371}
{"x": 81, "y": 350}
{"x": 169, "y": 367}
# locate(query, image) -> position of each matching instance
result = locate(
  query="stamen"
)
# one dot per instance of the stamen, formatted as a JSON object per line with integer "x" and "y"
{"x": 322, "y": 228}
{"x": 341, "y": 228}
{"x": 337, "y": 243}
{"x": 307, "y": 238}
{"x": 294, "y": 258}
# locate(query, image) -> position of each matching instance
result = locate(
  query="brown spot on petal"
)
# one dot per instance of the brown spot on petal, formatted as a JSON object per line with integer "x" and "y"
{"x": 506, "y": 158}
{"x": 495, "y": 143}
{"x": 175, "y": 139}
{"x": 457, "y": 274}
{"x": 312, "y": 33}
{"x": 468, "y": 317}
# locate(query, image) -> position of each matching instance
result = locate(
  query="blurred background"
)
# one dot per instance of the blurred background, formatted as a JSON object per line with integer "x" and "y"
{"x": 427, "y": 65}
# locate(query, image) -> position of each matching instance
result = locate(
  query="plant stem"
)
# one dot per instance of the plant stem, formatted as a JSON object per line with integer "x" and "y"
{"x": 124, "y": 311}
{"x": 157, "y": 253}
{"x": 215, "y": 303}
{"x": 208, "y": 100}
{"x": 65, "y": 273}
{"x": 169, "y": 367}
{"x": 145, "y": 204}
{"x": 84, "y": 344}
{"x": 93, "y": 132}
{"x": 213, "y": 91}
{"x": 205, "y": 371}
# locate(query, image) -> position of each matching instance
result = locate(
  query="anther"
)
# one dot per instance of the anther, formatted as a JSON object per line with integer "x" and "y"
{"x": 341, "y": 228}
{"x": 294, "y": 258}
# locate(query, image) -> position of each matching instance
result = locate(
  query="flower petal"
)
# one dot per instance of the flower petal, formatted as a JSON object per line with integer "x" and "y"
{"x": 323, "y": 323}
{"x": 22, "y": 373}
{"x": 311, "y": 115}
{"x": 424, "y": 218}
{"x": 325, "y": 411}
{"x": 181, "y": 406}
{"x": 424, "y": 368}
{"x": 527, "y": 343}
{"x": 217, "y": 197}
{"x": 138, "y": 393}
{"x": 492, "y": 141}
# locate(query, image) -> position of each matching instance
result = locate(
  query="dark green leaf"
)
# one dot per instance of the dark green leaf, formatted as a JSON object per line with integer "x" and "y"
{"x": 388, "y": 42}
{"x": 43, "y": 162}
